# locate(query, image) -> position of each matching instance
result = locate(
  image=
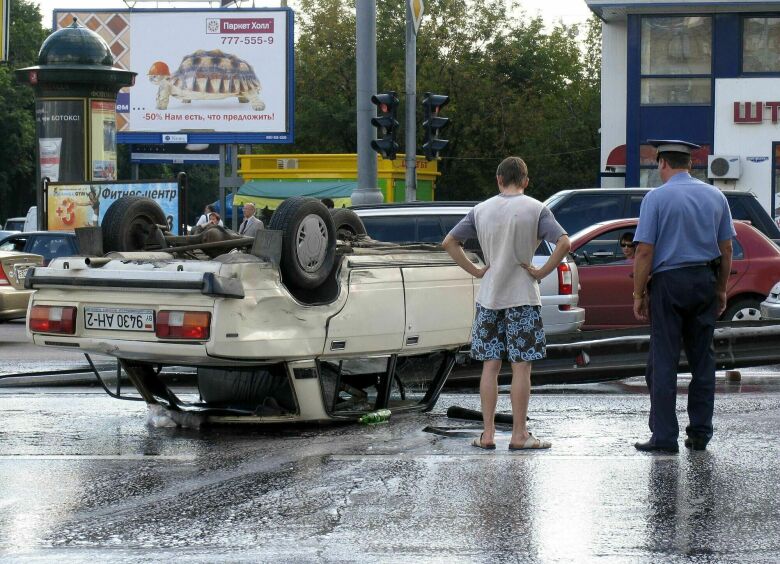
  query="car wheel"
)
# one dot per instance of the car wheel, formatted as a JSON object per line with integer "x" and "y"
{"x": 309, "y": 241}
{"x": 746, "y": 309}
{"x": 129, "y": 222}
{"x": 348, "y": 224}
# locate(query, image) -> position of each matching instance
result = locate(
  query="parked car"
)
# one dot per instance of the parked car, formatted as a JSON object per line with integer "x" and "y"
{"x": 14, "y": 224}
{"x": 13, "y": 296}
{"x": 606, "y": 277}
{"x": 578, "y": 209}
{"x": 429, "y": 222}
{"x": 770, "y": 307}
{"x": 48, "y": 244}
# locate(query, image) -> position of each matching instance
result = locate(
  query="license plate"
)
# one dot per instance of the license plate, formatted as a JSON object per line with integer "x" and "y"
{"x": 21, "y": 271}
{"x": 119, "y": 319}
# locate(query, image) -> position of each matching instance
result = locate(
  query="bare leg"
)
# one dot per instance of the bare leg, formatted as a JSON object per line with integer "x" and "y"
{"x": 520, "y": 394}
{"x": 488, "y": 394}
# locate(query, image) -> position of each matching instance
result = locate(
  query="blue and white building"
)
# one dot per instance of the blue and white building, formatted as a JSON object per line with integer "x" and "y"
{"x": 707, "y": 72}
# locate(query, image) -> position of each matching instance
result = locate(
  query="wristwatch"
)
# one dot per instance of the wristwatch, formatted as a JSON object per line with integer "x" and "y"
{"x": 638, "y": 296}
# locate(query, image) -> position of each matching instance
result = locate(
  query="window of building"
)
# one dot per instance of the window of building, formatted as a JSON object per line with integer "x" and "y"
{"x": 761, "y": 45}
{"x": 648, "y": 166}
{"x": 676, "y": 60}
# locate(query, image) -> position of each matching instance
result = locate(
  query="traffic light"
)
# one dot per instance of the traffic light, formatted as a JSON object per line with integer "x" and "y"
{"x": 433, "y": 124}
{"x": 386, "y": 124}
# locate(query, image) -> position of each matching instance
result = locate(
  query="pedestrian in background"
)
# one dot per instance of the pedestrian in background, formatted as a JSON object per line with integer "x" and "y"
{"x": 214, "y": 219}
{"x": 251, "y": 224}
{"x": 508, "y": 321}
{"x": 204, "y": 219}
{"x": 684, "y": 240}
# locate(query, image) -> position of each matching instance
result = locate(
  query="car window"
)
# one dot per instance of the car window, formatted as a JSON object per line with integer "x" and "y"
{"x": 749, "y": 208}
{"x": 51, "y": 247}
{"x": 605, "y": 248}
{"x": 15, "y": 244}
{"x": 429, "y": 230}
{"x": 738, "y": 252}
{"x": 14, "y": 225}
{"x": 581, "y": 210}
{"x": 397, "y": 229}
{"x": 634, "y": 204}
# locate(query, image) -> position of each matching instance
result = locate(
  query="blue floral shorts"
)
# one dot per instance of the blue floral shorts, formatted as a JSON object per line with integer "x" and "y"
{"x": 515, "y": 333}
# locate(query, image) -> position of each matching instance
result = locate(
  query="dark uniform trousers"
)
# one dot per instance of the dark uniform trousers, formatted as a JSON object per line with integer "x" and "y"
{"x": 683, "y": 307}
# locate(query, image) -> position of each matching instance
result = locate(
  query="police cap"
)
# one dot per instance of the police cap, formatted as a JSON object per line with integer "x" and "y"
{"x": 673, "y": 146}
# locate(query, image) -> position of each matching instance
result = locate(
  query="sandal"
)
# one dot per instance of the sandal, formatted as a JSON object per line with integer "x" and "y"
{"x": 531, "y": 443}
{"x": 485, "y": 446}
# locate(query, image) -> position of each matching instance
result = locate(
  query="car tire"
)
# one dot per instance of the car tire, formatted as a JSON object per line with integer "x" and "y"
{"x": 348, "y": 224}
{"x": 745, "y": 309}
{"x": 129, "y": 222}
{"x": 308, "y": 242}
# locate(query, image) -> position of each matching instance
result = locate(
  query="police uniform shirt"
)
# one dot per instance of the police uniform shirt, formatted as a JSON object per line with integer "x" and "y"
{"x": 684, "y": 220}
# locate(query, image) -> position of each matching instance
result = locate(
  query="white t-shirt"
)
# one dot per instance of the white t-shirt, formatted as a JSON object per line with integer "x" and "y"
{"x": 509, "y": 228}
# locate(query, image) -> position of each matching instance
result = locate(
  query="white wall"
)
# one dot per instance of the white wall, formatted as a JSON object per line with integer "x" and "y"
{"x": 748, "y": 141}
{"x": 613, "y": 87}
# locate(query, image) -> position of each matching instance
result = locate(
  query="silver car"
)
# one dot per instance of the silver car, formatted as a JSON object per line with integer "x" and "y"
{"x": 429, "y": 222}
{"x": 770, "y": 307}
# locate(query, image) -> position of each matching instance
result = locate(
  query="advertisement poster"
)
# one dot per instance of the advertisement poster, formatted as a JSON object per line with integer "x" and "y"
{"x": 84, "y": 205}
{"x": 103, "y": 116}
{"x": 60, "y": 125}
{"x": 222, "y": 71}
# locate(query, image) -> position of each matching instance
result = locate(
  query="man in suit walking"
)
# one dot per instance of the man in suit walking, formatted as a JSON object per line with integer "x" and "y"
{"x": 251, "y": 225}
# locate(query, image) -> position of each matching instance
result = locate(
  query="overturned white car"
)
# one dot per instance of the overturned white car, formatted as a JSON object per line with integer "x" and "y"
{"x": 297, "y": 331}
{"x": 304, "y": 327}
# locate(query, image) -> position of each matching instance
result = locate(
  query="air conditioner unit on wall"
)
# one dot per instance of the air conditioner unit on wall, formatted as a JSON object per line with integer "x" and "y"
{"x": 723, "y": 167}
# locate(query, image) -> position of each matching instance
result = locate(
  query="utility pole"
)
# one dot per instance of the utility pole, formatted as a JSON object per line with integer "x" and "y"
{"x": 411, "y": 105}
{"x": 367, "y": 191}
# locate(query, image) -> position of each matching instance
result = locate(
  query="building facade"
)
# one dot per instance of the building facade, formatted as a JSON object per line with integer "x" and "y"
{"x": 706, "y": 72}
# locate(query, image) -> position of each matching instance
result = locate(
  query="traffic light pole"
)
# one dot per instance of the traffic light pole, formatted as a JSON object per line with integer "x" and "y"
{"x": 411, "y": 106}
{"x": 367, "y": 190}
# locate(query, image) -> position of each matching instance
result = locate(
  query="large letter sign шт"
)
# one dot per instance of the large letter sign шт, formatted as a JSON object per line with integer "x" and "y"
{"x": 386, "y": 124}
{"x": 433, "y": 124}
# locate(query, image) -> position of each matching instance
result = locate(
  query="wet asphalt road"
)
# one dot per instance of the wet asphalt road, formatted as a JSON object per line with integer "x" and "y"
{"x": 83, "y": 478}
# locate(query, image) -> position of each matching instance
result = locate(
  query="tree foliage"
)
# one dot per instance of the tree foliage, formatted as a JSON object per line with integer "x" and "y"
{"x": 17, "y": 121}
{"x": 515, "y": 87}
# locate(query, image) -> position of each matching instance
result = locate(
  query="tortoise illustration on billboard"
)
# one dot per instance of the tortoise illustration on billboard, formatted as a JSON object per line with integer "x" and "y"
{"x": 207, "y": 75}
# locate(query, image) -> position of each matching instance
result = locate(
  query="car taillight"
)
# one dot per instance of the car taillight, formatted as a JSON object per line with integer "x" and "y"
{"x": 3, "y": 278}
{"x": 53, "y": 319}
{"x": 183, "y": 325}
{"x": 564, "y": 279}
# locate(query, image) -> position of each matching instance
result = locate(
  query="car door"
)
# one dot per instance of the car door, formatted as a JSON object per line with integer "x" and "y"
{"x": 606, "y": 281}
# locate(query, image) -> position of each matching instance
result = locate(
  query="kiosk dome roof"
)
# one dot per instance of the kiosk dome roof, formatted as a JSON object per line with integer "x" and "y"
{"x": 75, "y": 45}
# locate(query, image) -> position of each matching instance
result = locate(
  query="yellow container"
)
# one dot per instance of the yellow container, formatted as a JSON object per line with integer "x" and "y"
{"x": 289, "y": 167}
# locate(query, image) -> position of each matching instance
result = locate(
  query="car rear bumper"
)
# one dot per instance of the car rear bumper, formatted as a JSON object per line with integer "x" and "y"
{"x": 557, "y": 321}
{"x": 13, "y": 303}
{"x": 770, "y": 310}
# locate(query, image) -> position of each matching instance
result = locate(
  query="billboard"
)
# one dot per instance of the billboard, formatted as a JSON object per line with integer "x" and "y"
{"x": 69, "y": 206}
{"x": 204, "y": 76}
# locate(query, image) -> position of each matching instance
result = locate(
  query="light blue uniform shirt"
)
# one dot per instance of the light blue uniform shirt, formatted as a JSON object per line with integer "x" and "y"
{"x": 684, "y": 220}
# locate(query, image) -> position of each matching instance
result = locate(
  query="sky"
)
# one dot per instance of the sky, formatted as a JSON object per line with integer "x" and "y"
{"x": 568, "y": 11}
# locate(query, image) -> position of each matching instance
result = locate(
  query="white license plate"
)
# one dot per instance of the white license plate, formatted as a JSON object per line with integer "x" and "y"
{"x": 119, "y": 319}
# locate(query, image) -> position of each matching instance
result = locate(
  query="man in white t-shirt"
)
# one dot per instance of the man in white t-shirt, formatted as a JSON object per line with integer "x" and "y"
{"x": 508, "y": 322}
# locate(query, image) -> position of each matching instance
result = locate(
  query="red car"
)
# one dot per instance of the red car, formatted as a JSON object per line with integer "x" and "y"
{"x": 606, "y": 276}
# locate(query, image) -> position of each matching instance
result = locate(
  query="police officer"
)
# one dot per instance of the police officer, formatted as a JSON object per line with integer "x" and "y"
{"x": 684, "y": 241}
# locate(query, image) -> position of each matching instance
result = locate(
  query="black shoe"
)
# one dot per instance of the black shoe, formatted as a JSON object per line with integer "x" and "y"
{"x": 695, "y": 443}
{"x": 652, "y": 447}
